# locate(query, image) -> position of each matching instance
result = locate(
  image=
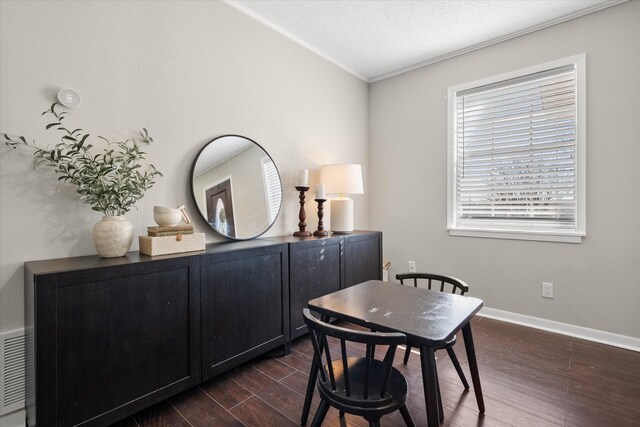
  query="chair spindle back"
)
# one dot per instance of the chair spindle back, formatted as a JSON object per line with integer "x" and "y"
{"x": 372, "y": 388}
{"x": 456, "y": 284}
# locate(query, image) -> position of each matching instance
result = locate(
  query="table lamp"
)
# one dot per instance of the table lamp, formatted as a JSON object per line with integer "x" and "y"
{"x": 342, "y": 180}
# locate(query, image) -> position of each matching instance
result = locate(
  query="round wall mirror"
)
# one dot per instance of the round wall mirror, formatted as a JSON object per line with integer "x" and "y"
{"x": 236, "y": 187}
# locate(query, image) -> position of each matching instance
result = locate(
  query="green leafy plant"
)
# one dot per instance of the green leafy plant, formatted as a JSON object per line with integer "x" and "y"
{"x": 111, "y": 179}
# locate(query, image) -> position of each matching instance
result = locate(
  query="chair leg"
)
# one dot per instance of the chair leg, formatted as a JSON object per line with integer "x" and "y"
{"x": 456, "y": 364}
{"x": 320, "y": 414}
{"x": 341, "y": 414}
{"x": 407, "y": 354}
{"x": 440, "y": 410}
{"x": 374, "y": 423}
{"x": 313, "y": 375}
{"x": 406, "y": 416}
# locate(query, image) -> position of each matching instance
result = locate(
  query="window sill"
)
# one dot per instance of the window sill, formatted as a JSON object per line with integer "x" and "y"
{"x": 543, "y": 236}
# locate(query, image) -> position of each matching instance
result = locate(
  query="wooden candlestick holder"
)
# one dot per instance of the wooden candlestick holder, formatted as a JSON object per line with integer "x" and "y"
{"x": 302, "y": 215}
{"x": 320, "y": 232}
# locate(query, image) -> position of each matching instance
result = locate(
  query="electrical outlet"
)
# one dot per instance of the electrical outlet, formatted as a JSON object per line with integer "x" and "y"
{"x": 412, "y": 266}
{"x": 547, "y": 290}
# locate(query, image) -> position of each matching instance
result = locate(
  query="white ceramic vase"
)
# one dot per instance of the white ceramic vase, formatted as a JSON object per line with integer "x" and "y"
{"x": 113, "y": 236}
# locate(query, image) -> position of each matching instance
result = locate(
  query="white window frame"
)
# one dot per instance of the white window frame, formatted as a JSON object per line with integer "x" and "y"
{"x": 511, "y": 229}
{"x": 271, "y": 197}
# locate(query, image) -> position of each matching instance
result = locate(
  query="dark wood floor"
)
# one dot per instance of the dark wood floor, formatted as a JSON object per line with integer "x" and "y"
{"x": 529, "y": 378}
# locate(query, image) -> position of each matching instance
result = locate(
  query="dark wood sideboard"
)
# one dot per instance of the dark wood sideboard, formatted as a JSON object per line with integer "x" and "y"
{"x": 107, "y": 337}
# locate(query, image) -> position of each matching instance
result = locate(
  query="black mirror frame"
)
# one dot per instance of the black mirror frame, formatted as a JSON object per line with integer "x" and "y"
{"x": 195, "y": 202}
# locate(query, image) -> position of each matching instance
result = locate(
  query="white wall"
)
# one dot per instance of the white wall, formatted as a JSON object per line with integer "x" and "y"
{"x": 597, "y": 283}
{"x": 188, "y": 72}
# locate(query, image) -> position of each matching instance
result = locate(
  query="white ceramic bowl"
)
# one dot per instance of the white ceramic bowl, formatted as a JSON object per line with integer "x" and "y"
{"x": 166, "y": 217}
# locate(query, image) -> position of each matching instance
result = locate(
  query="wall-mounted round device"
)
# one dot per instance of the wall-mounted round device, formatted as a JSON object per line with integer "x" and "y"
{"x": 68, "y": 98}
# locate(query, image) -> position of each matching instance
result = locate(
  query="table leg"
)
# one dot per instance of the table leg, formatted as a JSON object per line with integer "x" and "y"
{"x": 428, "y": 364}
{"x": 473, "y": 365}
{"x": 313, "y": 376}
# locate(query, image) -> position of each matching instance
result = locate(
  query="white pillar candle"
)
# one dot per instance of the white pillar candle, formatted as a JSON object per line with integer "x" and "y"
{"x": 303, "y": 178}
{"x": 320, "y": 194}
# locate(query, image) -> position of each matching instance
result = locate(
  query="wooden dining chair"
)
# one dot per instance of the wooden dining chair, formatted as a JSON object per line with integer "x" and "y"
{"x": 357, "y": 385}
{"x": 443, "y": 284}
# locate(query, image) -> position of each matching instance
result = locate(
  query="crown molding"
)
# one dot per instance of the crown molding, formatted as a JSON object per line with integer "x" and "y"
{"x": 560, "y": 20}
{"x": 595, "y": 8}
{"x": 242, "y": 8}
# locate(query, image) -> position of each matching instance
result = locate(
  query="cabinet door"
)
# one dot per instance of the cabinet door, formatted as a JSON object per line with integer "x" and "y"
{"x": 363, "y": 257}
{"x": 125, "y": 337}
{"x": 243, "y": 298}
{"x": 316, "y": 269}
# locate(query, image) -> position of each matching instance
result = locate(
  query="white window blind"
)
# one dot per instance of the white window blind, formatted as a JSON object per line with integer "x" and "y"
{"x": 516, "y": 154}
{"x": 272, "y": 184}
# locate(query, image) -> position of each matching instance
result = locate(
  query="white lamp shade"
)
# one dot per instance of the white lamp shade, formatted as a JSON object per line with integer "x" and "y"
{"x": 342, "y": 179}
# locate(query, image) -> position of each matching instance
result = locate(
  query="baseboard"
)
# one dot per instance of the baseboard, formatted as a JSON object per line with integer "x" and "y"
{"x": 616, "y": 340}
{"x": 14, "y": 419}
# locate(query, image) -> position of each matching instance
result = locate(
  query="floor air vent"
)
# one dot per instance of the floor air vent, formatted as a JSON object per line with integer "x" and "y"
{"x": 12, "y": 371}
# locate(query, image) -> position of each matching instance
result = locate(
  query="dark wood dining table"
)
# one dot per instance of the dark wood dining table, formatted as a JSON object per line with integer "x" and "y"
{"x": 428, "y": 319}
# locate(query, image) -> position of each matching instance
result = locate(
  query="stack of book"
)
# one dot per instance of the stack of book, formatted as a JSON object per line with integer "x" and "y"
{"x": 170, "y": 230}
{"x": 164, "y": 240}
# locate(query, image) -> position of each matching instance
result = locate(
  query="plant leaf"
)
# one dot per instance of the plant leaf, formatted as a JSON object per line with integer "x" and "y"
{"x": 111, "y": 181}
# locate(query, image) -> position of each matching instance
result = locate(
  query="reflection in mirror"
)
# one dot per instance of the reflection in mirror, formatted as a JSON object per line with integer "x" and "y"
{"x": 236, "y": 187}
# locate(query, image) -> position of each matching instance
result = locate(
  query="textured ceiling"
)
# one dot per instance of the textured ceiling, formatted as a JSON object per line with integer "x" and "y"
{"x": 374, "y": 39}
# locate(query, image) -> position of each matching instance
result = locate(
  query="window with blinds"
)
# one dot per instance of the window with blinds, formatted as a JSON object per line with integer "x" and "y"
{"x": 516, "y": 150}
{"x": 272, "y": 184}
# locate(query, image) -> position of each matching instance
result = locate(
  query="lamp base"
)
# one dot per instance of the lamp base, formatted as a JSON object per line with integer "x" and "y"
{"x": 342, "y": 215}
